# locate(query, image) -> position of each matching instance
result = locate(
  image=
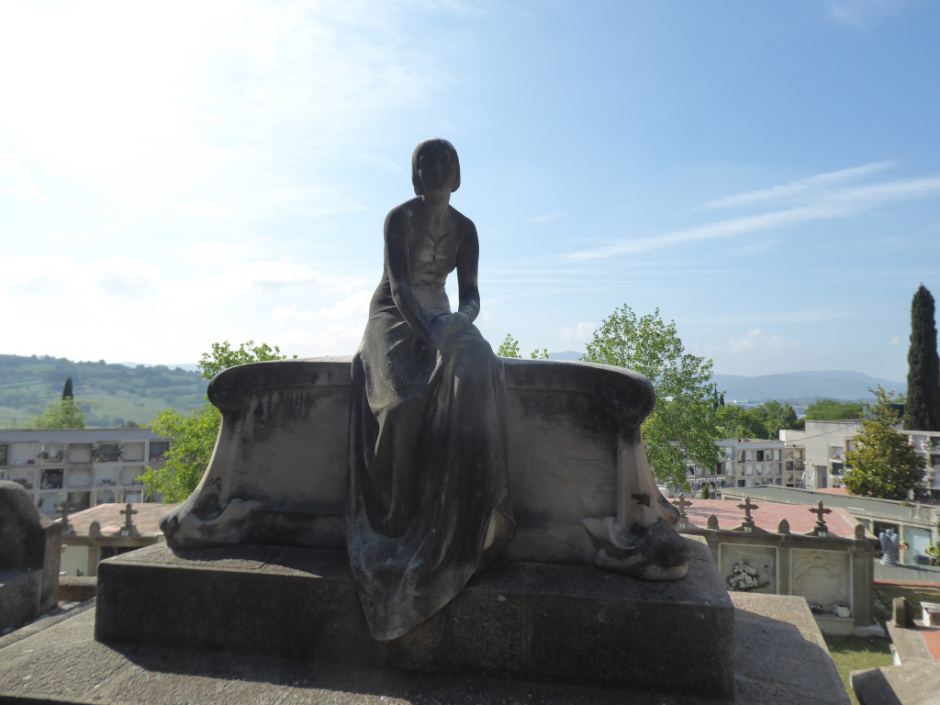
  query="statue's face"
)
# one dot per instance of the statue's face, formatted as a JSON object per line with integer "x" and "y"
{"x": 437, "y": 170}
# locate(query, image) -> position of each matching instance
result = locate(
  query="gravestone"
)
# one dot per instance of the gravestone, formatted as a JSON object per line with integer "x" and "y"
{"x": 29, "y": 558}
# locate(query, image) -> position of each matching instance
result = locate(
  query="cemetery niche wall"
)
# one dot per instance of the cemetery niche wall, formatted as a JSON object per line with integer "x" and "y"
{"x": 832, "y": 571}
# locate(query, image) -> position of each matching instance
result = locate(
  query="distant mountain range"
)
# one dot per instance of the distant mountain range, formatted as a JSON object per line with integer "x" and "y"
{"x": 803, "y": 386}
{"x": 790, "y": 386}
{"x": 112, "y": 393}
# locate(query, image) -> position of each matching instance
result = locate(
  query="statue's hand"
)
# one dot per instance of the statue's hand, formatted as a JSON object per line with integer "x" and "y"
{"x": 456, "y": 323}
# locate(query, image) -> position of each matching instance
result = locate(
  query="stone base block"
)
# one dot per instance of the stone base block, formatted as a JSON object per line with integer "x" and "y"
{"x": 536, "y": 622}
{"x": 20, "y": 592}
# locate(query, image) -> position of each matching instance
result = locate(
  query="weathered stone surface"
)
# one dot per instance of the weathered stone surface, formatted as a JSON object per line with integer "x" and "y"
{"x": 278, "y": 475}
{"x": 916, "y": 683}
{"x": 19, "y": 596}
{"x": 909, "y": 644}
{"x": 531, "y": 621}
{"x": 65, "y": 665}
{"x": 29, "y": 557}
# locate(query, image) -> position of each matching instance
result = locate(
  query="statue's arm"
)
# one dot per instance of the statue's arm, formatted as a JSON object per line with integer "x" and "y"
{"x": 397, "y": 264}
{"x": 468, "y": 258}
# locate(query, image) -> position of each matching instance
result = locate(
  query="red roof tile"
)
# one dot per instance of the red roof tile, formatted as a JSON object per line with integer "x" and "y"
{"x": 768, "y": 515}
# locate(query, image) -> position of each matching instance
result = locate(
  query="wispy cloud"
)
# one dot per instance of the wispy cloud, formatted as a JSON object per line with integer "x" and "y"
{"x": 801, "y": 189}
{"x": 548, "y": 217}
{"x": 863, "y": 14}
{"x": 218, "y": 115}
{"x": 42, "y": 198}
{"x": 758, "y": 339}
{"x": 808, "y": 316}
{"x": 828, "y": 205}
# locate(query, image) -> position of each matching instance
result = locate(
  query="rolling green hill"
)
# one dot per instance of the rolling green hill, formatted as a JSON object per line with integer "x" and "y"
{"x": 110, "y": 394}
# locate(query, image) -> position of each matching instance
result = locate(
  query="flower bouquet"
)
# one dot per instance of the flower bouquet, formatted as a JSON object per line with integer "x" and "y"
{"x": 745, "y": 578}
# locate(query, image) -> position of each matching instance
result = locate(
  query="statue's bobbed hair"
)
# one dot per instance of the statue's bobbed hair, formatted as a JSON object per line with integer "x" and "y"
{"x": 434, "y": 143}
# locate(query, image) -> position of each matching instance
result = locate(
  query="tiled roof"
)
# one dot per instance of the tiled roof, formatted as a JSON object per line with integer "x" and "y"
{"x": 109, "y": 516}
{"x": 767, "y": 516}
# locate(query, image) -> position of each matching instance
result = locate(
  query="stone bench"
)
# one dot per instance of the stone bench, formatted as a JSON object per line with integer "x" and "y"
{"x": 278, "y": 474}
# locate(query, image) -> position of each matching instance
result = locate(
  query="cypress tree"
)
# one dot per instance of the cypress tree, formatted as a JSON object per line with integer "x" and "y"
{"x": 923, "y": 374}
{"x": 67, "y": 389}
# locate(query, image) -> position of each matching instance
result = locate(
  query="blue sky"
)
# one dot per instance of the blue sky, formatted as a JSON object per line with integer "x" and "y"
{"x": 766, "y": 174}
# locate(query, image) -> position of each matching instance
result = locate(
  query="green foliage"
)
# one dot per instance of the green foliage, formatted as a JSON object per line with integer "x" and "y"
{"x": 223, "y": 356}
{"x": 510, "y": 348}
{"x": 67, "y": 389}
{"x": 884, "y": 465}
{"x": 193, "y": 440}
{"x": 682, "y": 425}
{"x": 65, "y": 413}
{"x": 193, "y": 435}
{"x": 764, "y": 421}
{"x": 832, "y": 410}
{"x": 922, "y": 411}
{"x": 736, "y": 422}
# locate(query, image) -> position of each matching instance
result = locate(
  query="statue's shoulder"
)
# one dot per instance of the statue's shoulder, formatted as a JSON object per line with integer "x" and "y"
{"x": 399, "y": 215}
{"x": 464, "y": 225}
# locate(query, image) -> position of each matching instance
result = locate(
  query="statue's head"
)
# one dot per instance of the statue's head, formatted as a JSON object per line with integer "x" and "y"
{"x": 427, "y": 148}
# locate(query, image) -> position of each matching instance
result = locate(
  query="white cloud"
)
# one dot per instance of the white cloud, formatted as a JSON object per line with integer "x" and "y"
{"x": 758, "y": 340}
{"x": 803, "y": 316}
{"x": 802, "y": 189}
{"x": 896, "y": 340}
{"x": 289, "y": 312}
{"x": 578, "y": 335}
{"x": 863, "y": 14}
{"x": 204, "y": 107}
{"x": 356, "y": 306}
{"x": 843, "y": 203}
{"x": 548, "y": 217}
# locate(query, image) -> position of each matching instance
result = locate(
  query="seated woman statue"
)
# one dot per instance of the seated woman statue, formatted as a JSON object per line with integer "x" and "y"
{"x": 427, "y": 498}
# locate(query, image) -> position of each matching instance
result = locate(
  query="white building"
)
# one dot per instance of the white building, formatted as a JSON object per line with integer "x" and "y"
{"x": 825, "y": 444}
{"x": 83, "y": 467}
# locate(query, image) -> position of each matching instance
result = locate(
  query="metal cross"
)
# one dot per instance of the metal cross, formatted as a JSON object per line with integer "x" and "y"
{"x": 747, "y": 507}
{"x": 819, "y": 512}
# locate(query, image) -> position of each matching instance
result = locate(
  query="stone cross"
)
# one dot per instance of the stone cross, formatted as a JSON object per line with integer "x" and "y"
{"x": 748, "y": 522}
{"x": 63, "y": 511}
{"x": 128, "y": 513}
{"x": 682, "y": 503}
{"x": 819, "y": 511}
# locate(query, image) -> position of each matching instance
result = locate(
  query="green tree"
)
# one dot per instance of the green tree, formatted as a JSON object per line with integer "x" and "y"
{"x": 682, "y": 426}
{"x": 193, "y": 435}
{"x": 773, "y": 416}
{"x": 884, "y": 464}
{"x": 736, "y": 422}
{"x": 65, "y": 413}
{"x": 510, "y": 348}
{"x": 922, "y": 411}
{"x": 832, "y": 410}
{"x": 67, "y": 389}
{"x": 764, "y": 421}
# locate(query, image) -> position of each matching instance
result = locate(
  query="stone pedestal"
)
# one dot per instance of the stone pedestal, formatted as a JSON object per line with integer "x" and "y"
{"x": 29, "y": 558}
{"x": 525, "y": 621}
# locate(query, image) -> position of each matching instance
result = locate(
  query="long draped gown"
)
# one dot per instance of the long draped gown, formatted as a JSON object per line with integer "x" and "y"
{"x": 427, "y": 496}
